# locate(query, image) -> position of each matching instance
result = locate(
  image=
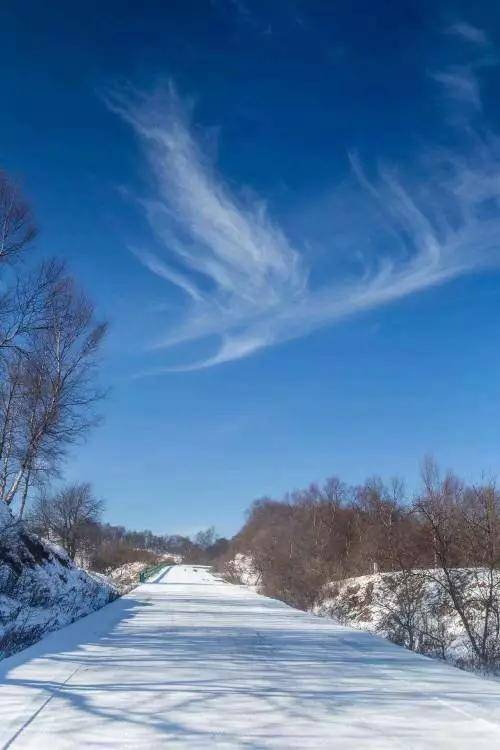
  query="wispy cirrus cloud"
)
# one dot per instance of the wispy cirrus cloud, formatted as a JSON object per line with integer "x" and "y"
{"x": 462, "y": 84}
{"x": 247, "y": 284}
{"x": 469, "y": 33}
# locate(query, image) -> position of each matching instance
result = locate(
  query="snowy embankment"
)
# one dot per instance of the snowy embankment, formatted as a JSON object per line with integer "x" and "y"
{"x": 240, "y": 570}
{"x": 126, "y": 576}
{"x": 413, "y": 609}
{"x": 41, "y": 589}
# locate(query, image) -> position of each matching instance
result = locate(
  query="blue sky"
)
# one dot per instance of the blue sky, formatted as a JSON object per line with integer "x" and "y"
{"x": 290, "y": 214}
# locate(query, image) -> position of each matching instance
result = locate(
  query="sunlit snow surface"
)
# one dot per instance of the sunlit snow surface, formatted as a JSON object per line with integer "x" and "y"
{"x": 188, "y": 661}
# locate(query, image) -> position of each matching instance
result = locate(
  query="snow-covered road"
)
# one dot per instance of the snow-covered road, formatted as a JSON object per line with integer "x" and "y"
{"x": 188, "y": 661}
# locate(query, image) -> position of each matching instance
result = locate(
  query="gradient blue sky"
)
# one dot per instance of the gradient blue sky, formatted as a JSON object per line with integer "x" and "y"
{"x": 290, "y": 213}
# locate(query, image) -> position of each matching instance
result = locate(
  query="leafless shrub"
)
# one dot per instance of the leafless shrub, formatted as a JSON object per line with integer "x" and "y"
{"x": 463, "y": 525}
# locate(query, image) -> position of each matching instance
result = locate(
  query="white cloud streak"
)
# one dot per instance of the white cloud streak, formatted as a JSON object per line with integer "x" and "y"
{"x": 469, "y": 33}
{"x": 462, "y": 84}
{"x": 245, "y": 282}
{"x": 461, "y": 81}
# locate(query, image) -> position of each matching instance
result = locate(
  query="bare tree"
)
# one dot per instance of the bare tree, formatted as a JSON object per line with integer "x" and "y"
{"x": 206, "y": 538}
{"x": 49, "y": 393}
{"x": 66, "y": 516}
{"x": 17, "y": 228}
{"x": 464, "y": 532}
{"x": 49, "y": 340}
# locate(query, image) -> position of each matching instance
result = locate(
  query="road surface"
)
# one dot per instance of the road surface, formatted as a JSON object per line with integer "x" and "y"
{"x": 186, "y": 661}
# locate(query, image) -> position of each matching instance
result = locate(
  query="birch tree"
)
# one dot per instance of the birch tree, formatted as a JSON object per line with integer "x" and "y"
{"x": 49, "y": 341}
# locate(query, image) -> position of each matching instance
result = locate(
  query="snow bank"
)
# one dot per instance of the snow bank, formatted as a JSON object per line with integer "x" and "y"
{"x": 173, "y": 558}
{"x": 240, "y": 569}
{"x": 126, "y": 576}
{"x": 413, "y": 610}
{"x": 41, "y": 589}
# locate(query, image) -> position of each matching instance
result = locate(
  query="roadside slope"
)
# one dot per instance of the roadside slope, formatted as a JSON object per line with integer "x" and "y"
{"x": 188, "y": 661}
{"x": 41, "y": 589}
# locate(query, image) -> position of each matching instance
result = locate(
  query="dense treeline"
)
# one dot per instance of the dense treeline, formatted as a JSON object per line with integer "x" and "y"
{"x": 449, "y": 534}
{"x": 329, "y": 532}
{"x": 106, "y": 547}
{"x": 110, "y": 546}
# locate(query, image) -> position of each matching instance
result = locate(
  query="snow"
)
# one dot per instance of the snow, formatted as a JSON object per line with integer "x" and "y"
{"x": 126, "y": 576}
{"x": 188, "y": 661}
{"x": 240, "y": 569}
{"x": 373, "y": 603}
{"x": 6, "y": 517}
{"x": 172, "y": 557}
{"x": 40, "y": 587}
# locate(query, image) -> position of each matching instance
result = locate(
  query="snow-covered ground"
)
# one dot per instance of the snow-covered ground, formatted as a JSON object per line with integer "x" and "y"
{"x": 240, "y": 569}
{"x": 187, "y": 661}
{"x": 393, "y": 604}
{"x": 40, "y": 587}
{"x": 126, "y": 576}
